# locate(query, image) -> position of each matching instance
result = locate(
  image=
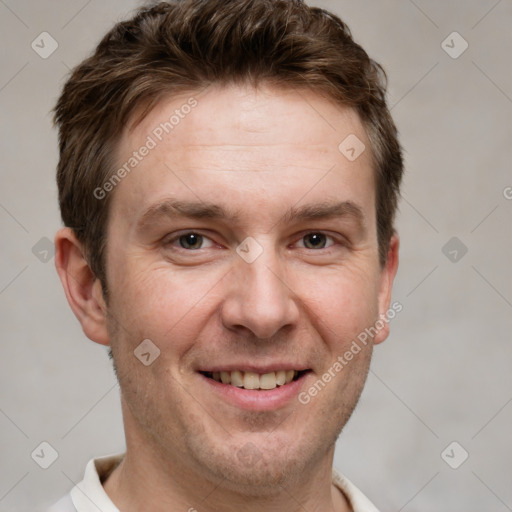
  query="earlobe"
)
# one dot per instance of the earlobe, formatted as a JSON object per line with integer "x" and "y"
{"x": 82, "y": 288}
{"x": 387, "y": 278}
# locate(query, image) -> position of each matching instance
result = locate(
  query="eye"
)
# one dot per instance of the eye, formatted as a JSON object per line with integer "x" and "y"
{"x": 316, "y": 240}
{"x": 191, "y": 241}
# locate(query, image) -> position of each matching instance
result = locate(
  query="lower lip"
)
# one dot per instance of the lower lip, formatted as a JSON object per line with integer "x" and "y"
{"x": 257, "y": 400}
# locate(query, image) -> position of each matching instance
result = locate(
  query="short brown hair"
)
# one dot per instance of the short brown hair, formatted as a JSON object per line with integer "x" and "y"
{"x": 185, "y": 45}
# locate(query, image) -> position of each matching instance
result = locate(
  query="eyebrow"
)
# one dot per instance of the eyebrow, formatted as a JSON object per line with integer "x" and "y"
{"x": 171, "y": 208}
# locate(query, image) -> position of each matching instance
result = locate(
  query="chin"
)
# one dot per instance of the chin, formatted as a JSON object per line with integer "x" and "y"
{"x": 258, "y": 467}
{"x": 262, "y": 478}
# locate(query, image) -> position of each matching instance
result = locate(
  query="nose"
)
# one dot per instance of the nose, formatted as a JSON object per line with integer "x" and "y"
{"x": 259, "y": 301}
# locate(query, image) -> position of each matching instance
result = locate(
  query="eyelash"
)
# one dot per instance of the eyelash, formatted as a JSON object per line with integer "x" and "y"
{"x": 335, "y": 241}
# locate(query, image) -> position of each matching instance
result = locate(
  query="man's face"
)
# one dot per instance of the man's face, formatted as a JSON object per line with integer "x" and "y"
{"x": 265, "y": 164}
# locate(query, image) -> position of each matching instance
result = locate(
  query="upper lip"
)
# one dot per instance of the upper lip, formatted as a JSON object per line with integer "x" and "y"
{"x": 261, "y": 369}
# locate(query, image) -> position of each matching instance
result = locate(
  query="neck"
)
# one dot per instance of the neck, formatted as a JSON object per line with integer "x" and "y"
{"x": 150, "y": 479}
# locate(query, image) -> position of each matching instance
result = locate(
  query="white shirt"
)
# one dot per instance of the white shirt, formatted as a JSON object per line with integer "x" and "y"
{"x": 90, "y": 496}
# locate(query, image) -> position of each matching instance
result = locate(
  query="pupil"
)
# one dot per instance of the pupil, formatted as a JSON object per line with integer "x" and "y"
{"x": 190, "y": 240}
{"x": 316, "y": 239}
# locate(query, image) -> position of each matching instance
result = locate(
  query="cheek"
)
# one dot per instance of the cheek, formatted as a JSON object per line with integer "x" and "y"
{"x": 343, "y": 301}
{"x": 161, "y": 304}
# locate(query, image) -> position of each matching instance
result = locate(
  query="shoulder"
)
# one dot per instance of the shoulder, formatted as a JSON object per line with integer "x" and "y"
{"x": 89, "y": 492}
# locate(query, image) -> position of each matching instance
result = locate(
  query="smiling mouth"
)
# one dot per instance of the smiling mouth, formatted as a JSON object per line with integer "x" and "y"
{"x": 256, "y": 381}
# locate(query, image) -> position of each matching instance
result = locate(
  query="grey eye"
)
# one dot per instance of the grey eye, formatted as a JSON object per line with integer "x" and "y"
{"x": 314, "y": 240}
{"x": 191, "y": 241}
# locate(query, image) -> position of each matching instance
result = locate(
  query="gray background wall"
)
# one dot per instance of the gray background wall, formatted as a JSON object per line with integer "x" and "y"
{"x": 444, "y": 375}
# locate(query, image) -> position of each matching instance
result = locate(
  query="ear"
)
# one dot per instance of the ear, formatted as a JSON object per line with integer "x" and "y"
{"x": 82, "y": 288}
{"x": 387, "y": 278}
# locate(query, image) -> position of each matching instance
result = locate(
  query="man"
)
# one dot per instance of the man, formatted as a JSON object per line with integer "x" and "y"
{"x": 228, "y": 178}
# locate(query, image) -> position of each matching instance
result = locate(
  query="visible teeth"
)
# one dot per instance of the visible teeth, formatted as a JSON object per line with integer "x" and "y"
{"x": 237, "y": 379}
{"x": 280, "y": 377}
{"x": 289, "y": 375}
{"x": 268, "y": 381}
{"x": 252, "y": 380}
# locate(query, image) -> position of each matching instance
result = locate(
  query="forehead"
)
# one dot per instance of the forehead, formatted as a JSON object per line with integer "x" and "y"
{"x": 226, "y": 143}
